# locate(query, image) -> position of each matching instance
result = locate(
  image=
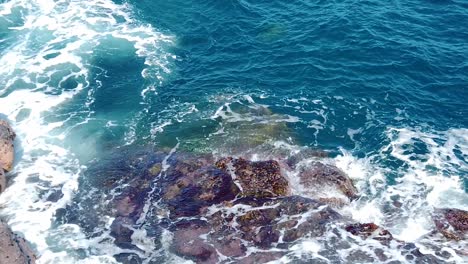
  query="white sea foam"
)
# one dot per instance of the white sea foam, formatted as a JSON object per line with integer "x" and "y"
{"x": 430, "y": 176}
{"x": 47, "y": 66}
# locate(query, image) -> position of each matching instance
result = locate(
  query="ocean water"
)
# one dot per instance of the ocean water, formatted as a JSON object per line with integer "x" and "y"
{"x": 380, "y": 85}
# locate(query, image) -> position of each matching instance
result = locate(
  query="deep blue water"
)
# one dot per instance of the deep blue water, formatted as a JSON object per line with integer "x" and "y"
{"x": 377, "y": 56}
{"x": 381, "y": 85}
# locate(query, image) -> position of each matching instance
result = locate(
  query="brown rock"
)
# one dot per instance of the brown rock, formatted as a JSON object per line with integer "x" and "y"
{"x": 318, "y": 175}
{"x": 14, "y": 249}
{"x": 258, "y": 179}
{"x": 7, "y": 152}
{"x": 452, "y": 223}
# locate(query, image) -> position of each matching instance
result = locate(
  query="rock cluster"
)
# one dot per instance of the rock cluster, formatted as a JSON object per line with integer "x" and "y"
{"x": 13, "y": 249}
{"x": 223, "y": 209}
{"x": 251, "y": 223}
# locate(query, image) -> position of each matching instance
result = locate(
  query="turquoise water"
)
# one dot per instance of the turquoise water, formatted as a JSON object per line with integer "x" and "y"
{"x": 381, "y": 85}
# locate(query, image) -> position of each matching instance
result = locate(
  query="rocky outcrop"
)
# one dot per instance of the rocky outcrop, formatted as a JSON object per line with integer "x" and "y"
{"x": 224, "y": 210}
{"x": 452, "y": 223}
{"x": 7, "y": 152}
{"x": 14, "y": 249}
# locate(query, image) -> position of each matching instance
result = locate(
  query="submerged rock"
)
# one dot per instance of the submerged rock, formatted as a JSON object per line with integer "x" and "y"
{"x": 258, "y": 179}
{"x": 7, "y": 151}
{"x": 243, "y": 127}
{"x": 452, "y": 223}
{"x": 14, "y": 249}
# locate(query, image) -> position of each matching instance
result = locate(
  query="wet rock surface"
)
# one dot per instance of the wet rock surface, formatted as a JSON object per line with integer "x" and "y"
{"x": 14, "y": 249}
{"x": 370, "y": 230}
{"x": 452, "y": 223}
{"x": 250, "y": 222}
{"x": 324, "y": 179}
{"x": 2, "y": 180}
{"x": 186, "y": 194}
{"x": 7, "y": 151}
{"x": 258, "y": 179}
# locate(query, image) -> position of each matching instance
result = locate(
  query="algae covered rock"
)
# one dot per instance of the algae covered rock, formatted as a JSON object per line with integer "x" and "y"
{"x": 245, "y": 126}
{"x": 259, "y": 179}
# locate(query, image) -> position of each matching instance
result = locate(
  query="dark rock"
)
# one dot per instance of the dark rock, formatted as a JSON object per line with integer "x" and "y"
{"x": 370, "y": 230}
{"x": 2, "y": 180}
{"x": 188, "y": 242}
{"x": 54, "y": 195}
{"x": 317, "y": 176}
{"x": 452, "y": 223}
{"x": 128, "y": 258}
{"x": 187, "y": 193}
{"x": 257, "y": 179}
{"x": 14, "y": 249}
{"x": 121, "y": 231}
{"x": 7, "y": 151}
